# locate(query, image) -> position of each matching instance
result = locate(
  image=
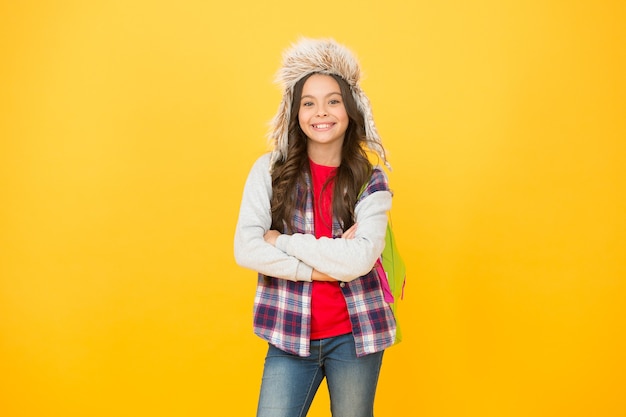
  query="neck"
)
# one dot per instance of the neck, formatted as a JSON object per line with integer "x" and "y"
{"x": 324, "y": 155}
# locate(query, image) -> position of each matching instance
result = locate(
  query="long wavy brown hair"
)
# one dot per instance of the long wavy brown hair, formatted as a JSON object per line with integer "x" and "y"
{"x": 353, "y": 172}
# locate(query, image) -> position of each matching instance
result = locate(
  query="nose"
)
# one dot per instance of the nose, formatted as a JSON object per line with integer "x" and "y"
{"x": 321, "y": 112}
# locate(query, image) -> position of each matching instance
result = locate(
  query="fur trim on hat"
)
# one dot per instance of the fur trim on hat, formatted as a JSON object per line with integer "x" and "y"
{"x": 324, "y": 56}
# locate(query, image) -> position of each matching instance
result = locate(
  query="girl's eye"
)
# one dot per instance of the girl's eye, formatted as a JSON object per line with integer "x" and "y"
{"x": 334, "y": 101}
{"x": 307, "y": 104}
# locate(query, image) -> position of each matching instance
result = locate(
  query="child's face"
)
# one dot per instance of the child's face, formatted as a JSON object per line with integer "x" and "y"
{"x": 322, "y": 114}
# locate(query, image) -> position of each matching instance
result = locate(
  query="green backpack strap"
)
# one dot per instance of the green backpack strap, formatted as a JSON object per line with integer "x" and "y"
{"x": 394, "y": 267}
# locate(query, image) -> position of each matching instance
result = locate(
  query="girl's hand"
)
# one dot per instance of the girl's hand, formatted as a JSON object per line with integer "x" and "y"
{"x": 270, "y": 236}
{"x": 350, "y": 233}
{"x": 320, "y": 276}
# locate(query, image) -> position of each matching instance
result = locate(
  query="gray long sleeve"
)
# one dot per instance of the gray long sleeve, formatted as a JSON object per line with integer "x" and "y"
{"x": 296, "y": 255}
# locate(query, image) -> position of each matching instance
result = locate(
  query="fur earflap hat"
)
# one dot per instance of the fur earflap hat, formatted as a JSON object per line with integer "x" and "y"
{"x": 324, "y": 56}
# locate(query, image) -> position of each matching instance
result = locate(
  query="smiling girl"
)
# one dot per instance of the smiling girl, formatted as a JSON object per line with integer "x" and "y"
{"x": 312, "y": 223}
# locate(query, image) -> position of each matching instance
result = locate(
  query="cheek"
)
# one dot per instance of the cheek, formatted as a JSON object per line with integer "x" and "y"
{"x": 344, "y": 116}
{"x": 302, "y": 117}
{"x": 341, "y": 113}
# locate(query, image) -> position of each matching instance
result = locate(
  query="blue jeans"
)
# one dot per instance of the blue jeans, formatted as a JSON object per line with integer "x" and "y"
{"x": 290, "y": 382}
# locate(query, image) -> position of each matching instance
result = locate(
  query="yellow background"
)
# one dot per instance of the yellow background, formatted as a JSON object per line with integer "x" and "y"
{"x": 127, "y": 130}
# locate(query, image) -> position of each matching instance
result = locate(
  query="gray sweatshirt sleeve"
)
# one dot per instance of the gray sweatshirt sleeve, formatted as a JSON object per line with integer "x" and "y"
{"x": 345, "y": 259}
{"x": 251, "y": 250}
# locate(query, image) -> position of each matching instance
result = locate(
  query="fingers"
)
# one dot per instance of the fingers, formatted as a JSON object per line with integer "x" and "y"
{"x": 270, "y": 236}
{"x": 350, "y": 233}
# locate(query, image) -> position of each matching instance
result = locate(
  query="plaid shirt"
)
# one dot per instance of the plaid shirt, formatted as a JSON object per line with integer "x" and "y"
{"x": 282, "y": 308}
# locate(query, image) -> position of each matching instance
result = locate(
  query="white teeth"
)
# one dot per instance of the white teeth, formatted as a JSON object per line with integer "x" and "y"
{"x": 322, "y": 126}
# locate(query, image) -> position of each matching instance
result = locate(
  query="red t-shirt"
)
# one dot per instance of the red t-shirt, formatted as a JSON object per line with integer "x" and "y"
{"x": 329, "y": 314}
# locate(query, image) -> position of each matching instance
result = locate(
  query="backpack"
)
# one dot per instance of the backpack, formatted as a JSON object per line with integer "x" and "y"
{"x": 391, "y": 270}
{"x": 392, "y": 273}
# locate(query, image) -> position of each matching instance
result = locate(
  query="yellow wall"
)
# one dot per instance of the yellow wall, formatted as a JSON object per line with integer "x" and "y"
{"x": 127, "y": 129}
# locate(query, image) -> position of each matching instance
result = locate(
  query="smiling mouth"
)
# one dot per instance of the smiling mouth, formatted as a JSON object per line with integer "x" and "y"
{"x": 323, "y": 126}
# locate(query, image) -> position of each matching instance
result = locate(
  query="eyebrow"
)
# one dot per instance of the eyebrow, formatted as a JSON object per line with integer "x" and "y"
{"x": 327, "y": 95}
